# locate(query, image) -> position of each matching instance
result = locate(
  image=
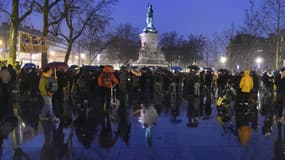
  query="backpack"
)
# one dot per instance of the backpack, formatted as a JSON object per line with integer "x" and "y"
{"x": 107, "y": 79}
{"x": 52, "y": 85}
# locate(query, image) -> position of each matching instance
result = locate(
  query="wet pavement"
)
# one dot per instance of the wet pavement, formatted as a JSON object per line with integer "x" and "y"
{"x": 88, "y": 139}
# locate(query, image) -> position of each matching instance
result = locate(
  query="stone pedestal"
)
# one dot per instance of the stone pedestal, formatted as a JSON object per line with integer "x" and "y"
{"x": 149, "y": 53}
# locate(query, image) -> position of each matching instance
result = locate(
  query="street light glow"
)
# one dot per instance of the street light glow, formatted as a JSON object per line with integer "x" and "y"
{"x": 82, "y": 55}
{"x": 98, "y": 58}
{"x": 52, "y": 53}
{"x": 1, "y": 42}
{"x": 258, "y": 60}
{"x": 223, "y": 59}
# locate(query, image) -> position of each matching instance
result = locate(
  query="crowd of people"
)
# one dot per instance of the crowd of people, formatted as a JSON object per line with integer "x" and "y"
{"x": 109, "y": 92}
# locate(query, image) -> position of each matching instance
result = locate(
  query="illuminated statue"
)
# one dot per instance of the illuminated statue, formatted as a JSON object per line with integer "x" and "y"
{"x": 149, "y": 20}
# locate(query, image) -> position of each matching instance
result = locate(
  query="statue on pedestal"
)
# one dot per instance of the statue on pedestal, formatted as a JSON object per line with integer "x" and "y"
{"x": 149, "y": 20}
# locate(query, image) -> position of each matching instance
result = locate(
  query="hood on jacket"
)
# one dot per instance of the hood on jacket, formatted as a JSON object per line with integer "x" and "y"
{"x": 246, "y": 73}
{"x": 108, "y": 69}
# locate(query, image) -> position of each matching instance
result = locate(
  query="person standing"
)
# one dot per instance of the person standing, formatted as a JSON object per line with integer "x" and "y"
{"x": 268, "y": 81}
{"x": 280, "y": 97}
{"x": 46, "y": 92}
{"x": 189, "y": 95}
{"x": 106, "y": 79}
{"x": 12, "y": 82}
{"x": 246, "y": 85}
{"x": 123, "y": 86}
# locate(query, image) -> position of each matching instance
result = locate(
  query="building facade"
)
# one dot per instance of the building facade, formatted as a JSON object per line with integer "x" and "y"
{"x": 249, "y": 52}
{"x": 56, "y": 47}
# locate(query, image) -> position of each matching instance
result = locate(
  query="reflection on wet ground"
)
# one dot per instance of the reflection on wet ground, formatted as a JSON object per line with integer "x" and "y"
{"x": 123, "y": 136}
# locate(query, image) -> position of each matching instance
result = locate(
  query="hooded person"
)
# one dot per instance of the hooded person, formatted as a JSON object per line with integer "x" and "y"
{"x": 106, "y": 80}
{"x": 246, "y": 85}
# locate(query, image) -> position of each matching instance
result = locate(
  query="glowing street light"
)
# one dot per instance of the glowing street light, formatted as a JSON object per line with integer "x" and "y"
{"x": 98, "y": 58}
{"x": 223, "y": 60}
{"x": 258, "y": 60}
{"x": 52, "y": 53}
{"x": 82, "y": 55}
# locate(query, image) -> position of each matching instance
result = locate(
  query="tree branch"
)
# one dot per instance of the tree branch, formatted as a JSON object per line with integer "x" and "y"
{"x": 5, "y": 11}
{"x": 53, "y": 4}
{"x": 62, "y": 35}
{"x": 39, "y": 6}
{"x": 56, "y": 21}
{"x": 28, "y": 12}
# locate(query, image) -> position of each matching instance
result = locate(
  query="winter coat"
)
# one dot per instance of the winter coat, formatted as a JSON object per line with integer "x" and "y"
{"x": 246, "y": 82}
{"x": 43, "y": 84}
{"x": 108, "y": 73}
{"x": 268, "y": 80}
{"x": 189, "y": 84}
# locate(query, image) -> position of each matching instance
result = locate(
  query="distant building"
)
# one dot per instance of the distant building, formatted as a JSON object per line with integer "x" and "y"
{"x": 56, "y": 46}
{"x": 244, "y": 49}
{"x": 249, "y": 52}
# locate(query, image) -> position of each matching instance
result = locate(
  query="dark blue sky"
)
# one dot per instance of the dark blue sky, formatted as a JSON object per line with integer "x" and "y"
{"x": 184, "y": 16}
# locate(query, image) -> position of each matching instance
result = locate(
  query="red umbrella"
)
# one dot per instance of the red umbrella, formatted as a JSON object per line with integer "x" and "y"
{"x": 58, "y": 65}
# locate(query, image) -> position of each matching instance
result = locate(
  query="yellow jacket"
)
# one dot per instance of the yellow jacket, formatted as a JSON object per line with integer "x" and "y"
{"x": 43, "y": 85}
{"x": 246, "y": 82}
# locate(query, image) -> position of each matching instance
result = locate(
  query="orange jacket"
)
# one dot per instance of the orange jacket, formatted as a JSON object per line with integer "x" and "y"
{"x": 113, "y": 80}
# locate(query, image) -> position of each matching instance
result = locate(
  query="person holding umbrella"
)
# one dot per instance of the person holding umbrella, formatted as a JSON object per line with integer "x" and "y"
{"x": 47, "y": 93}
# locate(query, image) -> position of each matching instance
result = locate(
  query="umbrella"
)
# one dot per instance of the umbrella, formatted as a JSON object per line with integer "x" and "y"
{"x": 194, "y": 67}
{"x": 176, "y": 68}
{"x": 136, "y": 72}
{"x": 29, "y": 65}
{"x": 145, "y": 69}
{"x": 73, "y": 67}
{"x": 90, "y": 68}
{"x": 58, "y": 65}
{"x": 223, "y": 70}
{"x": 208, "y": 69}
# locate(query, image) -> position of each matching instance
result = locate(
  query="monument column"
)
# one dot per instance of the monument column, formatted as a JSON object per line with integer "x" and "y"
{"x": 149, "y": 53}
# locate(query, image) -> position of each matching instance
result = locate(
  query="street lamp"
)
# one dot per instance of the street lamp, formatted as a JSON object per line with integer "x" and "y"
{"x": 98, "y": 58}
{"x": 82, "y": 57}
{"x": 52, "y": 53}
{"x": 258, "y": 60}
{"x": 223, "y": 60}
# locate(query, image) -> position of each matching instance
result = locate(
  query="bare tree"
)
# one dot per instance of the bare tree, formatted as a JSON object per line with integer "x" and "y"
{"x": 221, "y": 43}
{"x": 77, "y": 14}
{"x": 249, "y": 33}
{"x": 15, "y": 22}
{"x": 273, "y": 20}
{"x": 252, "y": 21}
{"x": 46, "y": 8}
{"x": 169, "y": 43}
{"x": 125, "y": 41}
{"x": 183, "y": 51}
{"x": 94, "y": 39}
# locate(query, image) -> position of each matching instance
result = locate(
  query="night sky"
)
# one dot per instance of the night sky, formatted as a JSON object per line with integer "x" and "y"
{"x": 183, "y": 16}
